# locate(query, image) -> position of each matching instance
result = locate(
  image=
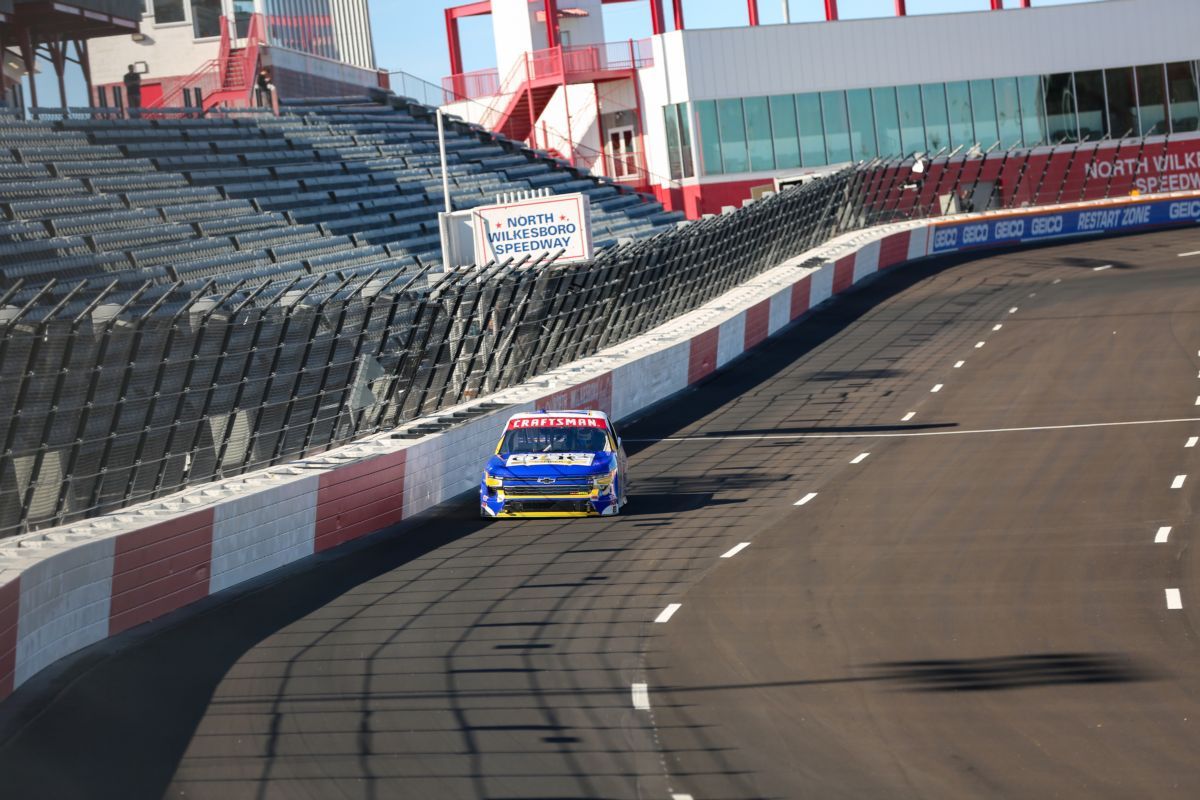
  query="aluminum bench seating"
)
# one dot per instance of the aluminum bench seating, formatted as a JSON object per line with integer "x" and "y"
{"x": 280, "y": 157}
{"x": 360, "y": 222}
{"x": 145, "y": 236}
{"x": 241, "y": 224}
{"x": 180, "y": 195}
{"x": 136, "y": 183}
{"x": 180, "y": 252}
{"x": 23, "y": 230}
{"x": 347, "y": 259}
{"x": 81, "y": 224}
{"x": 395, "y": 235}
{"x": 42, "y": 152}
{"x": 66, "y": 267}
{"x": 220, "y": 177}
{"x": 262, "y": 190}
{"x": 326, "y": 212}
{"x": 62, "y": 206}
{"x": 311, "y": 249}
{"x": 223, "y": 264}
{"x": 273, "y": 237}
{"x": 194, "y": 212}
{"x": 20, "y": 172}
{"x": 197, "y": 162}
{"x": 312, "y": 170}
{"x": 48, "y": 187}
{"x": 87, "y": 169}
{"x": 341, "y": 153}
{"x": 42, "y": 249}
{"x": 159, "y": 150}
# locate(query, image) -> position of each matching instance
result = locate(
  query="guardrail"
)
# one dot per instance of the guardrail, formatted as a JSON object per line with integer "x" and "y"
{"x": 108, "y": 404}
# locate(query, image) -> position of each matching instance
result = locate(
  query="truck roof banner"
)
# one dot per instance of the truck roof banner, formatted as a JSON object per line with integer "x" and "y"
{"x": 536, "y": 227}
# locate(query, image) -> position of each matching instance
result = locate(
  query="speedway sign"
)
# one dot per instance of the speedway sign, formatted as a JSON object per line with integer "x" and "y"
{"x": 534, "y": 228}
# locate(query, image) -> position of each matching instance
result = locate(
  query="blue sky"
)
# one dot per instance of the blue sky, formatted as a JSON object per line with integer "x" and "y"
{"x": 410, "y": 35}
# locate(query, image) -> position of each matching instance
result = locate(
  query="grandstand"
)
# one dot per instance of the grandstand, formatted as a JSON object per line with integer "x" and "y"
{"x": 329, "y": 187}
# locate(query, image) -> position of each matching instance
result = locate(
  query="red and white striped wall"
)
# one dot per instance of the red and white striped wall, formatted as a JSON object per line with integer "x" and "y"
{"x": 70, "y": 587}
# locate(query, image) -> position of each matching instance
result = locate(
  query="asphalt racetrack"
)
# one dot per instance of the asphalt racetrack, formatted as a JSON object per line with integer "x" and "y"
{"x": 935, "y": 542}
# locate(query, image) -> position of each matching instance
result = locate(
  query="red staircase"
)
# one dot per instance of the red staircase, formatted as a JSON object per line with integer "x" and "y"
{"x": 227, "y": 81}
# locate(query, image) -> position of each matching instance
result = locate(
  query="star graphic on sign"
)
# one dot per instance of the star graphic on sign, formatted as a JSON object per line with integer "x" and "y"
{"x": 562, "y": 217}
{"x": 499, "y": 225}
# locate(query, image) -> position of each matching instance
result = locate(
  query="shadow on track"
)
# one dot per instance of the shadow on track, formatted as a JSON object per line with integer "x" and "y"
{"x": 159, "y": 679}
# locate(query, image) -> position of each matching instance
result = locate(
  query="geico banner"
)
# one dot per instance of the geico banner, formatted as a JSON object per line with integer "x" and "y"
{"x": 1079, "y": 222}
{"x": 535, "y": 227}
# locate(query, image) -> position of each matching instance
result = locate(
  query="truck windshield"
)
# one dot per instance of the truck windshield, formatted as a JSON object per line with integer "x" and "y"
{"x": 554, "y": 440}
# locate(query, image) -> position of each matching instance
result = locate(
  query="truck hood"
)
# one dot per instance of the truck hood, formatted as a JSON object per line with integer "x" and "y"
{"x": 535, "y": 465}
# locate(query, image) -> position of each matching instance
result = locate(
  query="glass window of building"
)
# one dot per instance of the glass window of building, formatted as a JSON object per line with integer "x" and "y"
{"x": 958, "y": 104}
{"x": 1033, "y": 110}
{"x": 937, "y": 122}
{"x": 685, "y": 140}
{"x": 1122, "y": 103}
{"x": 1181, "y": 88}
{"x": 758, "y": 134}
{"x": 1008, "y": 111}
{"x": 837, "y": 128}
{"x": 166, "y": 11}
{"x": 671, "y": 121}
{"x": 784, "y": 131}
{"x": 710, "y": 139}
{"x": 733, "y": 135}
{"x": 1152, "y": 99}
{"x": 1062, "y": 124}
{"x": 206, "y": 18}
{"x": 812, "y": 136}
{"x": 983, "y": 112}
{"x": 912, "y": 125}
{"x": 1089, "y": 95}
{"x": 862, "y": 124}
{"x": 887, "y": 121}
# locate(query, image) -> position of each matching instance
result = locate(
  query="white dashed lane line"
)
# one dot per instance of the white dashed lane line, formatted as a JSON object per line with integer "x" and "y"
{"x": 936, "y": 388}
{"x": 805, "y": 499}
{"x": 1164, "y": 533}
{"x": 681, "y": 797}
{"x": 641, "y": 696}
{"x": 997, "y": 327}
{"x": 733, "y": 551}
{"x": 1193, "y": 253}
{"x": 668, "y": 612}
{"x": 959, "y": 364}
{"x": 858, "y": 459}
{"x": 979, "y": 345}
{"x": 1098, "y": 269}
{"x": 1174, "y": 601}
{"x": 1012, "y": 310}
{"x": 908, "y": 416}
{"x": 1178, "y": 482}
{"x": 1198, "y": 400}
{"x": 1191, "y": 442}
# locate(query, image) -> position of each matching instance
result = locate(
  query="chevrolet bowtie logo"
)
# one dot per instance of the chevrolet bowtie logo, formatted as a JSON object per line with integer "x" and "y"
{"x": 545, "y": 480}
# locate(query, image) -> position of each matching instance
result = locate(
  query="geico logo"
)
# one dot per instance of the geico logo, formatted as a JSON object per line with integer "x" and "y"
{"x": 1043, "y": 226}
{"x": 973, "y": 234}
{"x": 1189, "y": 209}
{"x": 1010, "y": 229}
{"x": 947, "y": 237}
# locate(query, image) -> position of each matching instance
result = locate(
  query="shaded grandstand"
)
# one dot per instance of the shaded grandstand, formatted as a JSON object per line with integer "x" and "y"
{"x": 327, "y": 188}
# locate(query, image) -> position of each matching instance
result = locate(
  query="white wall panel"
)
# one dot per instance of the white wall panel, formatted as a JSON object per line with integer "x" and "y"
{"x": 892, "y": 51}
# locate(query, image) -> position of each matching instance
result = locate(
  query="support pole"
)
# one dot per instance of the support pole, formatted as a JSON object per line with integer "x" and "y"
{"x": 901, "y": 8}
{"x": 85, "y": 64}
{"x": 551, "y": 9}
{"x": 29, "y": 56}
{"x": 752, "y": 10}
{"x": 831, "y": 12}
{"x": 677, "y": 7}
{"x": 997, "y": 5}
{"x": 787, "y": 12}
{"x": 456, "y": 62}
{"x": 657, "y": 23}
{"x": 441, "y": 130}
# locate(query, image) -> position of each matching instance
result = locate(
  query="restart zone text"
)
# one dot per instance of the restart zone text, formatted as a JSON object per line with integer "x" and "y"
{"x": 555, "y": 464}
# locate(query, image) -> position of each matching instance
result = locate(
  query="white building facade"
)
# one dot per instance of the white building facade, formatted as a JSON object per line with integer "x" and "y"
{"x": 718, "y": 111}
